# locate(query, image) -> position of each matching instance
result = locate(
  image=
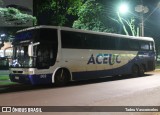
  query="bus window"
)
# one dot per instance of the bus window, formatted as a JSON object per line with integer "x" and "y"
{"x": 43, "y": 57}
{"x": 151, "y": 46}
{"x": 144, "y": 45}
{"x": 108, "y": 43}
{"x": 91, "y": 41}
{"x": 72, "y": 40}
{"x": 133, "y": 45}
{"x": 122, "y": 44}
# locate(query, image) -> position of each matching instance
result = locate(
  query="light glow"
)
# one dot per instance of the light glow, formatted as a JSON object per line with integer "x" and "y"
{"x": 123, "y": 8}
{"x": 3, "y": 35}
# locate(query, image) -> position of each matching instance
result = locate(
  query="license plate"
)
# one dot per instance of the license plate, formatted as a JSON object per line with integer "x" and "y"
{"x": 17, "y": 78}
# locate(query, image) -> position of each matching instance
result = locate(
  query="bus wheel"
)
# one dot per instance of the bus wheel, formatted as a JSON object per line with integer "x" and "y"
{"x": 141, "y": 70}
{"x": 135, "y": 71}
{"x": 61, "y": 78}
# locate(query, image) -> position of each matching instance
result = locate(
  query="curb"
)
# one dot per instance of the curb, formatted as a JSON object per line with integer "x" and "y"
{"x": 157, "y": 70}
{"x": 4, "y": 72}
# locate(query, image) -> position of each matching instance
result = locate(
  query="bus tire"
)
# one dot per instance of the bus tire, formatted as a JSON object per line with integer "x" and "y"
{"x": 61, "y": 78}
{"x": 135, "y": 71}
{"x": 141, "y": 70}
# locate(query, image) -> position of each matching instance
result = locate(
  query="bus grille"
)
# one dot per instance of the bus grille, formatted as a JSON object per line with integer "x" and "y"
{"x": 17, "y": 72}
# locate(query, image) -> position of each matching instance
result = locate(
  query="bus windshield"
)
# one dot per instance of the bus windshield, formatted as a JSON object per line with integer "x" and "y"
{"x": 21, "y": 58}
{"x": 44, "y": 54}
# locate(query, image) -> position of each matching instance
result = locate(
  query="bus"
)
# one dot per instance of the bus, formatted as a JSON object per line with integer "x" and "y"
{"x": 53, "y": 54}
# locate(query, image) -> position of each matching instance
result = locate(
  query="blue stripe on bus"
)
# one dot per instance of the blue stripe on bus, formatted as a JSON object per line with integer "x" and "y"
{"x": 32, "y": 79}
{"x": 100, "y": 73}
{"x": 125, "y": 69}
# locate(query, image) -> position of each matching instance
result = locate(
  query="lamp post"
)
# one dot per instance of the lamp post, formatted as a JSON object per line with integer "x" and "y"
{"x": 142, "y": 10}
{"x": 123, "y": 9}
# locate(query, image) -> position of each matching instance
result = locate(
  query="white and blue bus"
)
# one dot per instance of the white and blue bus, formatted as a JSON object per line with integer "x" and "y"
{"x": 50, "y": 54}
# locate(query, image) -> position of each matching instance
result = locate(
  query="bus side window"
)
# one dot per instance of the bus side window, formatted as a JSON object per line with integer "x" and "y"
{"x": 151, "y": 46}
{"x": 145, "y": 45}
{"x": 134, "y": 45}
{"x": 123, "y": 44}
{"x": 43, "y": 57}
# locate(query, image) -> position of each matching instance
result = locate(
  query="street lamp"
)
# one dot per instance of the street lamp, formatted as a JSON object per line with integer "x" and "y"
{"x": 123, "y": 8}
{"x": 142, "y": 10}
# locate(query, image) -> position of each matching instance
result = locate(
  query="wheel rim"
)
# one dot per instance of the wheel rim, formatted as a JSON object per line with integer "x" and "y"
{"x": 60, "y": 78}
{"x": 135, "y": 71}
{"x": 141, "y": 73}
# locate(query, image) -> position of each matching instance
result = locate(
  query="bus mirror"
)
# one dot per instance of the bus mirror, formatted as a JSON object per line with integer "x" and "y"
{"x": 35, "y": 44}
{"x": 30, "y": 50}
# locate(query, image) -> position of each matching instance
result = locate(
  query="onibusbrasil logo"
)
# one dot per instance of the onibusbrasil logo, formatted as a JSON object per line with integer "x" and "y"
{"x": 21, "y": 109}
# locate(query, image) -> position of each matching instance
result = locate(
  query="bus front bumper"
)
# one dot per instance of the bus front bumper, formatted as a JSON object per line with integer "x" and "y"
{"x": 31, "y": 79}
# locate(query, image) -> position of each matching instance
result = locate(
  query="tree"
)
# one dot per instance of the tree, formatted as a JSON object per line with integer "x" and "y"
{"x": 58, "y": 10}
{"x": 15, "y": 16}
{"x": 128, "y": 22}
{"x": 91, "y": 16}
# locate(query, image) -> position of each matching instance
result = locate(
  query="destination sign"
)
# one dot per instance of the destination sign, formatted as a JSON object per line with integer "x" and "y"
{"x": 23, "y": 36}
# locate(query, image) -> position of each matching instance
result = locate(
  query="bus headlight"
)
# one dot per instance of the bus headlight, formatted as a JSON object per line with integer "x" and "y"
{"x": 30, "y": 72}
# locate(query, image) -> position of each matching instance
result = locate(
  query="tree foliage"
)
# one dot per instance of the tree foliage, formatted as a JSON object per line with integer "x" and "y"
{"x": 14, "y": 15}
{"x": 59, "y": 9}
{"x": 91, "y": 16}
{"x": 128, "y": 25}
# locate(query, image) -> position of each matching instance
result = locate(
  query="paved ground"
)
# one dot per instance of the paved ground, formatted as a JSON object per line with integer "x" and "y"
{"x": 141, "y": 91}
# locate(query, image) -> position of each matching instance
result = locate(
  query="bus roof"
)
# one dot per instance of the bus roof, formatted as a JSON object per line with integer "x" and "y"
{"x": 89, "y": 31}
